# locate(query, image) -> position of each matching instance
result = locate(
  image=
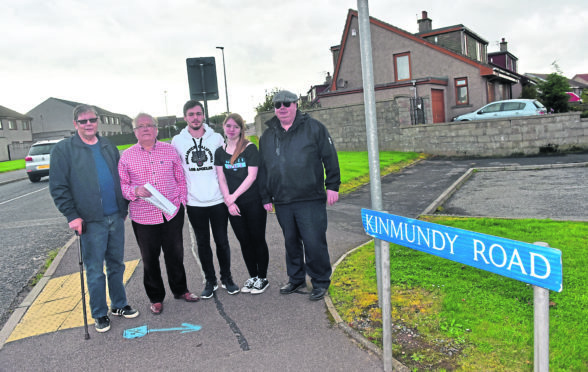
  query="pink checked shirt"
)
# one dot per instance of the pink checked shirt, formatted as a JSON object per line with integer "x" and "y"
{"x": 162, "y": 168}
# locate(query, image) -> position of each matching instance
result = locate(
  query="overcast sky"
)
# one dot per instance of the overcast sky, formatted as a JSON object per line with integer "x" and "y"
{"x": 124, "y": 55}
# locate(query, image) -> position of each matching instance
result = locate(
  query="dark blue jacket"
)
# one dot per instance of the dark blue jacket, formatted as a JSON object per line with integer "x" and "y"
{"x": 73, "y": 179}
{"x": 298, "y": 164}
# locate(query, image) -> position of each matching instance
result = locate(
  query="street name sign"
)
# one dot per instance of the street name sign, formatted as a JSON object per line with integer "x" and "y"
{"x": 525, "y": 262}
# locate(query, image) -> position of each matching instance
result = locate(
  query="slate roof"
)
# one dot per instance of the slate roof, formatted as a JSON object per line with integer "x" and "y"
{"x": 73, "y": 104}
{"x": 8, "y": 113}
{"x": 485, "y": 69}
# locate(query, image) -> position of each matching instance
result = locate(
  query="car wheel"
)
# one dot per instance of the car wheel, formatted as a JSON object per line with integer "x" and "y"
{"x": 34, "y": 178}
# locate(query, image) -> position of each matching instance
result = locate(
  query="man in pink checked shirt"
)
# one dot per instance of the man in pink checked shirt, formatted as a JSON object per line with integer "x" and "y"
{"x": 156, "y": 163}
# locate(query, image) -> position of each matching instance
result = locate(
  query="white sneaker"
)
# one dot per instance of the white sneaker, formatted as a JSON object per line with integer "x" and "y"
{"x": 260, "y": 286}
{"x": 248, "y": 286}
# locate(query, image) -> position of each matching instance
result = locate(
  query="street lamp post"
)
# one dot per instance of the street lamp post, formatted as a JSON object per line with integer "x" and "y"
{"x": 167, "y": 114}
{"x": 225, "y": 73}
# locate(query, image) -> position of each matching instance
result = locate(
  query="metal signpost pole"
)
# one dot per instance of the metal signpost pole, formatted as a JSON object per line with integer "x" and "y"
{"x": 541, "y": 326}
{"x": 225, "y": 74}
{"x": 204, "y": 92}
{"x": 381, "y": 247}
{"x": 167, "y": 114}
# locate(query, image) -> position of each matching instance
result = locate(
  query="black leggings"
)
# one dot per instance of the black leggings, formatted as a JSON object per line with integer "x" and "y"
{"x": 249, "y": 229}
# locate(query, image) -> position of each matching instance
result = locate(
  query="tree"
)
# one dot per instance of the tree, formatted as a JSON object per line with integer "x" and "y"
{"x": 217, "y": 119}
{"x": 552, "y": 92}
{"x": 529, "y": 92}
{"x": 267, "y": 104}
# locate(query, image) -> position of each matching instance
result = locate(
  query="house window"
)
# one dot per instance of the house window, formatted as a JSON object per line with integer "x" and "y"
{"x": 1, "y": 127}
{"x": 461, "y": 91}
{"x": 11, "y": 125}
{"x": 402, "y": 66}
{"x": 26, "y": 125}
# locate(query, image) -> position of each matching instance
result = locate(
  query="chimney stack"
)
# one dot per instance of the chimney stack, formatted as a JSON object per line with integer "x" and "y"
{"x": 503, "y": 46}
{"x": 425, "y": 23}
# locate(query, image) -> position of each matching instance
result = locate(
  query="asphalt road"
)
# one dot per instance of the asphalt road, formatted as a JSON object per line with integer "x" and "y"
{"x": 31, "y": 227}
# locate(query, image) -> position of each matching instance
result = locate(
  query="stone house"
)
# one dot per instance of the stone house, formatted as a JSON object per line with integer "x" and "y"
{"x": 15, "y": 134}
{"x": 53, "y": 119}
{"x": 435, "y": 74}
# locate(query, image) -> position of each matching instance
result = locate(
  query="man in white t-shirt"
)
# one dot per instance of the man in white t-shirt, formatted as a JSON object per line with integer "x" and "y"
{"x": 196, "y": 145}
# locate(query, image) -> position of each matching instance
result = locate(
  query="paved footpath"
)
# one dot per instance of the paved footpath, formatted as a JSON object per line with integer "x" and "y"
{"x": 243, "y": 332}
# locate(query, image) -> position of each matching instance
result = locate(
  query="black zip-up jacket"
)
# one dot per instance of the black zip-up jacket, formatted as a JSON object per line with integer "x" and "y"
{"x": 294, "y": 163}
{"x": 73, "y": 179}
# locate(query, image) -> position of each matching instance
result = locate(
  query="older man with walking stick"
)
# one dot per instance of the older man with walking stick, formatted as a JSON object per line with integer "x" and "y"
{"x": 85, "y": 187}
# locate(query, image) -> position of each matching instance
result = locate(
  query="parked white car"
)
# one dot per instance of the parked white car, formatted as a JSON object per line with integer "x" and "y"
{"x": 37, "y": 161}
{"x": 507, "y": 108}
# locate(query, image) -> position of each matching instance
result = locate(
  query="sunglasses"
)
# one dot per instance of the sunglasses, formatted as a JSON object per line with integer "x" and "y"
{"x": 84, "y": 121}
{"x": 277, "y": 105}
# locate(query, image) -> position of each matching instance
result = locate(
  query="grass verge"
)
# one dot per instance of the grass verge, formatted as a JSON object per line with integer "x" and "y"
{"x": 354, "y": 166}
{"x": 10, "y": 165}
{"x": 448, "y": 316}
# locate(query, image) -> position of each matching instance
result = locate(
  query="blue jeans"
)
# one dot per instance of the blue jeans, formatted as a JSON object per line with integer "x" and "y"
{"x": 104, "y": 241}
{"x": 304, "y": 225}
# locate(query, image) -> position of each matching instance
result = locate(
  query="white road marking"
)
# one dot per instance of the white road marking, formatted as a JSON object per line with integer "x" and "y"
{"x": 22, "y": 196}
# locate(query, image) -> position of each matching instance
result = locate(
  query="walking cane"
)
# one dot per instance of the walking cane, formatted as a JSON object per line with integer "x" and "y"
{"x": 80, "y": 259}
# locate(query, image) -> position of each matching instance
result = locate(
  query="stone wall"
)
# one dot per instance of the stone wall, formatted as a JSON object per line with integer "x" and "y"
{"x": 346, "y": 124}
{"x": 498, "y": 137}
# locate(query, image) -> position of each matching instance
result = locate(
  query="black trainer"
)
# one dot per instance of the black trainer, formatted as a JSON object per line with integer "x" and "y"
{"x": 248, "y": 286}
{"x": 209, "y": 290}
{"x": 260, "y": 286}
{"x": 127, "y": 311}
{"x": 102, "y": 324}
{"x": 230, "y": 286}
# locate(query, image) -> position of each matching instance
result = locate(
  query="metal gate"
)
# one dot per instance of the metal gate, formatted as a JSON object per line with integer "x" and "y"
{"x": 417, "y": 111}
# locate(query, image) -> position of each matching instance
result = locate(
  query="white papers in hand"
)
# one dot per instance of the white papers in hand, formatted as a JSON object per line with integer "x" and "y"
{"x": 159, "y": 200}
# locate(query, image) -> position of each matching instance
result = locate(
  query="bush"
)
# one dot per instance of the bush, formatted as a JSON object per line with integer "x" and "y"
{"x": 552, "y": 92}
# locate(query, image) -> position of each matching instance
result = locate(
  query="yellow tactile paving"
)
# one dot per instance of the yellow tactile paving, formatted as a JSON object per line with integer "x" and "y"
{"x": 59, "y": 306}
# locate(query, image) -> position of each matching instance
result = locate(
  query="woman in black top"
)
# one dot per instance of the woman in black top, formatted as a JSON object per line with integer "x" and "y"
{"x": 236, "y": 165}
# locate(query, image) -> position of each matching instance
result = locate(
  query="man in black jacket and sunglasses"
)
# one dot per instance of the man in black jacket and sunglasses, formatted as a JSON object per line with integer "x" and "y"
{"x": 85, "y": 187}
{"x": 296, "y": 154}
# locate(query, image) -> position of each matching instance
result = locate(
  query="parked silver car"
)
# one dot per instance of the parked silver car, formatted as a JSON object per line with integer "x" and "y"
{"x": 37, "y": 161}
{"x": 507, "y": 108}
